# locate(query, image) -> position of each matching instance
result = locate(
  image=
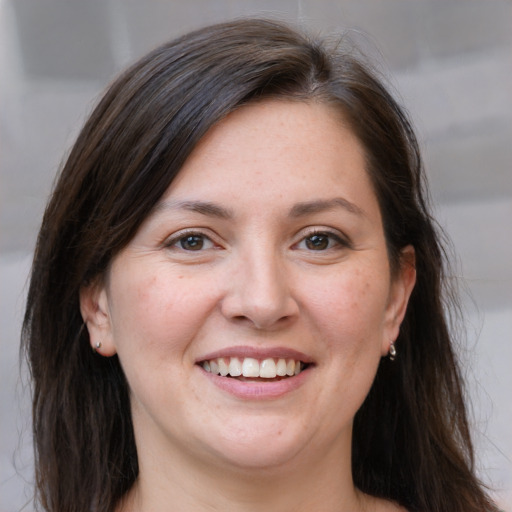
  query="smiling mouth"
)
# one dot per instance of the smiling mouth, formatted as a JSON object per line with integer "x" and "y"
{"x": 249, "y": 368}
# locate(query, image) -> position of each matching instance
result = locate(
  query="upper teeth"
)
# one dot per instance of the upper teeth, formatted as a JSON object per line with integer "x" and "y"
{"x": 250, "y": 367}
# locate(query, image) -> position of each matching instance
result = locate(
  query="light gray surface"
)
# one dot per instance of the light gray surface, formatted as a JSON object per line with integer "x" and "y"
{"x": 451, "y": 62}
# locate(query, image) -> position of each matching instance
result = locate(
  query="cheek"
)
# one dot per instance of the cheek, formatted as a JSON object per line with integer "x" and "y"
{"x": 348, "y": 321}
{"x": 349, "y": 310}
{"x": 156, "y": 312}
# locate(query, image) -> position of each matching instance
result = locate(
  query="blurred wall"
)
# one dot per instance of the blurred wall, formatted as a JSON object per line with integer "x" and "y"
{"x": 451, "y": 62}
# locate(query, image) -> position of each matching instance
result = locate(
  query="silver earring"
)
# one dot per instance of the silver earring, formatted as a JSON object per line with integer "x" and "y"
{"x": 97, "y": 346}
{"x": 392, "y": 351}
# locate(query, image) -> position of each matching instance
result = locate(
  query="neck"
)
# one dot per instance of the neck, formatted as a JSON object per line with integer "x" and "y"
{"x": 323, "y": 482}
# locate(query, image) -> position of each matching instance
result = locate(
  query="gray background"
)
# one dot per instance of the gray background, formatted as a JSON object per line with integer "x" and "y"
{"x": 451, "y": 62}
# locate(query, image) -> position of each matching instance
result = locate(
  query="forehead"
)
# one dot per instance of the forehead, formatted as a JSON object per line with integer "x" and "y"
{"x": 276, "y": 144}
{"x": 279, "y": 124}
{"x": 271, "y": 166}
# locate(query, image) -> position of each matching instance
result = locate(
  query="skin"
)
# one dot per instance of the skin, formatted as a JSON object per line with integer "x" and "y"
{"x": 257, "y": 281}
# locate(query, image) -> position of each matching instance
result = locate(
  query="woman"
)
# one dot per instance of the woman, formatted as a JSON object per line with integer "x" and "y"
{"x": 241, "y": 236}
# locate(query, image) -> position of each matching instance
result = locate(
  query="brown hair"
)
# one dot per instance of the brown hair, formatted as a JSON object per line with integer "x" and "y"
{"x": 411, "y": 437}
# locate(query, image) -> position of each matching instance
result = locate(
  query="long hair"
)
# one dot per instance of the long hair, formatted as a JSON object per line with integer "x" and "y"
{"x": 411, "y": 438}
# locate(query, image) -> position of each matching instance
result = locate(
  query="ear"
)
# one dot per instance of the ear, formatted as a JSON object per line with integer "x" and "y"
{"x": 94, "y": 308}
{"x": 400, "y": 291}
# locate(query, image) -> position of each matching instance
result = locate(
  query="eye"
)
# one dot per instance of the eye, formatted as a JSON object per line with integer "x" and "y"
{"x": 321, "y": 241}
{"x": 317, "y": 242}
{"x": 191, "y": 242}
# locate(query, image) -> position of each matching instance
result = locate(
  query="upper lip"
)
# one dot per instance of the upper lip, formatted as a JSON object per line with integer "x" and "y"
{"x": 257, "y": 353}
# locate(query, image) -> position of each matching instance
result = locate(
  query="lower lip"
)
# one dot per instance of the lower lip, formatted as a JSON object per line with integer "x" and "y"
{"x": 250, "y": 390}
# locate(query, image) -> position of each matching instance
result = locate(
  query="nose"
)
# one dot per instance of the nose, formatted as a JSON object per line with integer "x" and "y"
{"x": 259, "y": 293}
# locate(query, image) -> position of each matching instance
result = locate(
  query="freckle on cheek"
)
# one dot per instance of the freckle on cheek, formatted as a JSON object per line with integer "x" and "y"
{"x": 354, "y": 305}
{"x": 144, "y": 288}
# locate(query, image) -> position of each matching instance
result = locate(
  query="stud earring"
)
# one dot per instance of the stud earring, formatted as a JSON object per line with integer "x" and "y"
{"x": 97, "y": 346}
{"x": 392, "y": 351}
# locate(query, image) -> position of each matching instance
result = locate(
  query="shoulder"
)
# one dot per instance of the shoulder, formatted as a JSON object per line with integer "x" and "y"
{"x": 382, "y": 505}
{"x": 391, "y": 506}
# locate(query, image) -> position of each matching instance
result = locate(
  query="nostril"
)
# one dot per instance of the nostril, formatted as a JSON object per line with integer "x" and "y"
{"x": 241, "y": 319}
{"x": 259, "y": 307}
{"x": 262, "y": 323}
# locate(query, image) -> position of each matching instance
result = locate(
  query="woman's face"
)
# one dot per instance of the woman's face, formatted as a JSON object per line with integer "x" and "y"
{"x": 265, "y": 256}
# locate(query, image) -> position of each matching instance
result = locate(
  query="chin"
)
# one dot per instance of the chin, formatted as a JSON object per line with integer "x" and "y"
{"x": 261, "y": 444}
{"x": 257, "y": 459}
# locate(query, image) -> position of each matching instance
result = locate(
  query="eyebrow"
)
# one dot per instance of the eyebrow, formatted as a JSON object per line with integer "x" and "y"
{"x": 299, "y": 210}
{"x": 202, "y": 207}
{"x": 322, "y": 205}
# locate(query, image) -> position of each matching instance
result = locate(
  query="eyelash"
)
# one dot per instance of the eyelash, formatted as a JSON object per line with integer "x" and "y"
{"x": 339, "y": 241}
{"x": 183, "y": 235}
{"x": 334, "y": 240}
